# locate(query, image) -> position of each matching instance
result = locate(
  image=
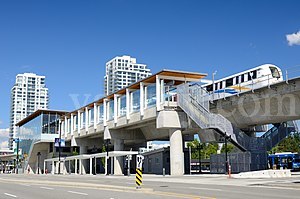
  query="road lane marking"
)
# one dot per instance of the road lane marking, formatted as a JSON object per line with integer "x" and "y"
{"x": 10, "y": 195}
{"x": 26, "y": 185}
{"x": 202, "y": 188}
{"x": 79, "y": 193}
{"x": 49, "y": 188}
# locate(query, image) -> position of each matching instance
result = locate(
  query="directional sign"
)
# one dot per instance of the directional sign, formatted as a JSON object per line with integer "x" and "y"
{"x": 139, "y": 161}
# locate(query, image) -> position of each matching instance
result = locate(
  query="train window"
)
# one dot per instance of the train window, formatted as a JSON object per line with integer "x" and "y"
{"x": 242, "y": 78}
{"x": 237, "y": 80}
{"x": 209, "y": 88}
{"x": 216, "y": 86}
{"x": 254, "y": 74}
{"x": 221, "y": 85}
{"x": 229, "y": 82}
{"x": 275, "y": 72}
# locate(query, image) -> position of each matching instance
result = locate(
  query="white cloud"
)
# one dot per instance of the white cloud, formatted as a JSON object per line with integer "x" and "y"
{"x": 4, "y": 133}
{"x": 4, "y": 145}
{"x": 293, "y": 39}
{"x": 4, "y": 138}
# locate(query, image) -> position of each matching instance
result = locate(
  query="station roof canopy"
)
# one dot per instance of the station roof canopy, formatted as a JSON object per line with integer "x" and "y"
{"x": 178, "y": 77}
{"x": 37, "y": 113}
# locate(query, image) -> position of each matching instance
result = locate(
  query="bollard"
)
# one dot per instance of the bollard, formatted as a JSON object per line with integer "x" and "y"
{"x": 229, "y": 171}
{"x": 164, "y": 171}
{"x": 138, "y": 178}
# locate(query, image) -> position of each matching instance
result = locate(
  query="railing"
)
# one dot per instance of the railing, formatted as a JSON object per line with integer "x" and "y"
{"x": 194, "y": 101}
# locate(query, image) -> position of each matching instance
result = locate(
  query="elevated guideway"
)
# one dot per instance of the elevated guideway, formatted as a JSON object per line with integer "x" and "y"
{"x": 271, "y": 104}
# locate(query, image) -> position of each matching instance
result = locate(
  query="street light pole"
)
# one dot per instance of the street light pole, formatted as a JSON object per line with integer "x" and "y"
{"x": 213, "y": 84}
{"x": 227, "y": 138}
{"x": 59, "y": 151}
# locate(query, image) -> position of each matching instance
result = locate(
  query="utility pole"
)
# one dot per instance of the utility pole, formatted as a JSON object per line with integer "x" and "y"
{"x": 227, "y": 138}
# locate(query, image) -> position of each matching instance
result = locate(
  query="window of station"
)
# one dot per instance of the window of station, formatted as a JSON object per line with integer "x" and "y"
{"x": 101, "y": 113}
{"x": 151, "y": 95}
{"x": 111, "y": 110}
{"x": 135, "y": 101}
{"x": 229, "y": 82}
{"x": 122, "y": 106}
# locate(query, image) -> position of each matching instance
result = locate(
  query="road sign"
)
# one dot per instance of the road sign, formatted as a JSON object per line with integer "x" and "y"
{"x": 62, "y": 142}
{"x": 139, "y": 161}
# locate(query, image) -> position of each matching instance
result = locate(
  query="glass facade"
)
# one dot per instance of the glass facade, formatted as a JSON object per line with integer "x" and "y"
{"x": 135, "y": 97}
{"x": 151, "y": 95}
{"x": 101, "y": 113}
{"x": 91, "y": 116}
{"x": 122, "y": 107}
{"x": 111, "y": 110}
{"x": 33, "y": 130}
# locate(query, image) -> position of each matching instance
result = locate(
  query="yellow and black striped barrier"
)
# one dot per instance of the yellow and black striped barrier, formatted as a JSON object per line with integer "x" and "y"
{"x": 138, "y": 178}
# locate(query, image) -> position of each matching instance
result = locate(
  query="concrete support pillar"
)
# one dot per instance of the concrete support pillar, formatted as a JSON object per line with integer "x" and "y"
{"x": 176, "y": 152}
{"x": 142, "y": 98}
{"x": 83, "y": 162}
{"x": 118, "y": 161}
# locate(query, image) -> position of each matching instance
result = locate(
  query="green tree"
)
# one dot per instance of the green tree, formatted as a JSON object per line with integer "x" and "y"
{"x": 289, "y": 144}
{"x": 230, "y": 148}
{"x": 206, "y": 149}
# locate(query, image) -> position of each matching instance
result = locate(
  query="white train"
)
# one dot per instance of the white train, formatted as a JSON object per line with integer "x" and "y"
{"x": 254, "y": 78}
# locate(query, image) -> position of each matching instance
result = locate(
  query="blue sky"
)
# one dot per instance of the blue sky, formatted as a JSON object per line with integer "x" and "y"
{"x": 69, "y": 41}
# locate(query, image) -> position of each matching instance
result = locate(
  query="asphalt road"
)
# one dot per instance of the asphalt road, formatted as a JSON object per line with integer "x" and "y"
{"x": 117, "y": 187}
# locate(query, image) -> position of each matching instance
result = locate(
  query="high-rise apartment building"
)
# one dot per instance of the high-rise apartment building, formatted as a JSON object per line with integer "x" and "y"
{"x": 27, "y": 95}
{"x": 123, "y": 71}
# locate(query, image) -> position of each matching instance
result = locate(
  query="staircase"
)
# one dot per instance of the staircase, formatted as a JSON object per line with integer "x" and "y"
{"x": 194, "y": 101}
{"x": 277, "y": 133}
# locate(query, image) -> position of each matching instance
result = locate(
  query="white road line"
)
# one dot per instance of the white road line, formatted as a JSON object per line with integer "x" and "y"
{"x": 26, "y": 185}
{"x": 202, "y": 188}
{"x": 10, "y": 195}
{"x": 85, "y": 194}
{"x": 49, "y": 188}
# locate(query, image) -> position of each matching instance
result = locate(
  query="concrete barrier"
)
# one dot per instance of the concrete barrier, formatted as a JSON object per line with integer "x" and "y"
{"x": 264, "y": 174}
